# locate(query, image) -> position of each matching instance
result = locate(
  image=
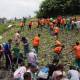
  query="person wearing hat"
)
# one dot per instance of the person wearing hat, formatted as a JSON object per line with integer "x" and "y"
{"x": 58, "y": 48}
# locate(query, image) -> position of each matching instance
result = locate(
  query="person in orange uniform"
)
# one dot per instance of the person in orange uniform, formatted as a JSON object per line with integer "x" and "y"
{"x": 58, "y": 48}
{"x": 48, "y": 20}
{"x": 62, "y": 24}
{"x": 56, "y": 32}
{"x": 51, "y": 26}
{"x": 21, "y": 24}
{"x": 77, "y": 53}
{"x": 36, "y": 42}
{"x": 59, "y": 20}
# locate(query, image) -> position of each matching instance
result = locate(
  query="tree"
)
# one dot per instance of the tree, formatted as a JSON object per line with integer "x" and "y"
{"x": 50, "y": 8}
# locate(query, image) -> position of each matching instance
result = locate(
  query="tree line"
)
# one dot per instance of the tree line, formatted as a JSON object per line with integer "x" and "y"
{"x": 50, "y": 8}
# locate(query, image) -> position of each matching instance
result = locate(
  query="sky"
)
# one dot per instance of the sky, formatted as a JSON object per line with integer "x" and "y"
{"x": 18, "y": 8}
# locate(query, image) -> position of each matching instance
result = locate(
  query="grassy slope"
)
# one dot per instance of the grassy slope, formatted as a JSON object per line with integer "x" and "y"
{"x": 47, "y": 41}
{"x": 2, "y": 28}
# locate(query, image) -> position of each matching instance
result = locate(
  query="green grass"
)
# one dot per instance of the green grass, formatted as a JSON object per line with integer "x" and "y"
{"x": 3, "y": 28}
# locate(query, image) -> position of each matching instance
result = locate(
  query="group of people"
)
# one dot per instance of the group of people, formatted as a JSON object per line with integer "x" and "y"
{"x": 12, "y": 52}
{"x": 53, "y": 71}
{"x": 15, "y": 57}
{"x": 63, "y": 23}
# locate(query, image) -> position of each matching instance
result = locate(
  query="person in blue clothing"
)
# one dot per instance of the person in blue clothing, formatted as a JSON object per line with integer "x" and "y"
{"x": 7, "y": 53}
{"x": 68, "y": 25}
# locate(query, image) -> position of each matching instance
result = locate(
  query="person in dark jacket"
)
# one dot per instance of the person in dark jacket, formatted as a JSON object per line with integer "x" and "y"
{"x": 26, "y": 46}
{"x": 52, "y": 66}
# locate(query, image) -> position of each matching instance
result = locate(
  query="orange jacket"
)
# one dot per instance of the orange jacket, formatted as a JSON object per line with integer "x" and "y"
{"x": 21, "y": 24}
{"x": 30, "y": 23}
{"x": 77, "y": 51}
{"x": 36, "y": 41}
{"x": 57, "y": 49}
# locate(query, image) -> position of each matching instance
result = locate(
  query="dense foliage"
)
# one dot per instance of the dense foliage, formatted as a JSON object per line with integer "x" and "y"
{"x": 51, "y": 8}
